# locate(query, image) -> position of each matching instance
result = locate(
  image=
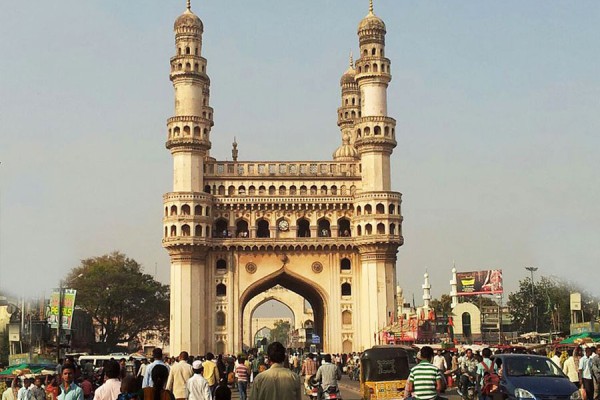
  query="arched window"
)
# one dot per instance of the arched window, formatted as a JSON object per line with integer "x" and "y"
{"x": 173, "y": 210}
{"x": 313, "y": 190}
{"x": 359, "y": 230}
{"x": 252, "y": 190}
{"x": 185, "y": 230}
{"x": 380, "y": 229}
{"x": 271, "y": 190}
{"x": 207, "y": 189}
{"x": 377, "y": 130}
{"x": 368, "y": 229}
{"x": 173, "y": 230}
{"x": 242, "y": 190}
{"x": 221, "y": 228}
{"x": 358, "y": 132}
{"x": 188, "y": 66}
{"x": 282, "y": 190}
{"x": 344, "y": 227}
{"x": 231, "y": 190}
{"x": 208, "y": 231}
{"x": 386, "y": 131}
{"x": 346, "y": 289}
{"x": 334, "y": 190}
{"x": 262, "y": 190}
{"x": 368, "y": 209}
{"x": 373, "y": 51}
{"x": 166, "y": 211}
{"x": 221, "y": 290}
{"x": 345, "y": 265}
{"x": 166, "y": 231}
{"x": 292, "y": 190}
{"x": 466, "y": 324}
{"x": 375, "y": 68}
{"x": 324, "y": 227}
{"x": 365, "y": 52}
{"x": 392, "y": 209}
{"x": 186, "y": 130}
{"x": 221, "y": 190}
{"x": 187, "y": 50}
{"x": 323, "y": 190}
{"x": 197, "y": 210}
{"x": 392, "y": 229}
{"x": 302, "y": 190}
{"x": 358, "y": 210}
{"x": 303, "y": 228}
{"x": 185, "y": 209}
{"x": 346, "y": 317}
{"x": 221, "y": 268}
{"x": 263, "y": 229}
{"x": 367, "y": 68}
{"x": 198, "y": 230}
{"x": 220, "y": 318}
{"x": 241, "y": 229}
{"x": 379, "y": 208}
{"x": 367, "y": 131}
{"x": 207, "y": 211}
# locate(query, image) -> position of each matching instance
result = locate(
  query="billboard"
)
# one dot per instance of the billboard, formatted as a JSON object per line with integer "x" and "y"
{"x": 479, "y": 282}
{"x": 68, "y": 305}
{"x": 575, "y": 301}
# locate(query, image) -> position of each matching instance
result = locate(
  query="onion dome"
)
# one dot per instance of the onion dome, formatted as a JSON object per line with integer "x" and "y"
{"x": 189, "y": 20}
{"x": 371, "y": 21}
{"x": 350, "y": 73}
{"x": 346, "y": 152}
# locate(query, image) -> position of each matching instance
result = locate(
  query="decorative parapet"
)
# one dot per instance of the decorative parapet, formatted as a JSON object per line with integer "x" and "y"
{"x": 282, "y": 169}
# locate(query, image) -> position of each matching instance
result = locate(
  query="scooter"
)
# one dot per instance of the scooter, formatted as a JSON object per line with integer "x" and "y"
{"x": 312, "y": 388}
{"x": 331, "y": 393}
{"x": 469, "y": 389}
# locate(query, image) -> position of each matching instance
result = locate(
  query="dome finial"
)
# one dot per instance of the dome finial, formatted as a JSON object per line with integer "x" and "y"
{"x": 370, "y": 6}
{"x": 351, "y": 60}
{"x": 189, "y": 5}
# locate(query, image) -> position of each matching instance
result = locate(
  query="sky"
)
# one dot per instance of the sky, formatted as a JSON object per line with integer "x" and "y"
{"x": 497, "y": 103}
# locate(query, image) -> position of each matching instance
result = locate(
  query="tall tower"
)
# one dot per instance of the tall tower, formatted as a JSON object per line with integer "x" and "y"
{"x": 187, "y": 228}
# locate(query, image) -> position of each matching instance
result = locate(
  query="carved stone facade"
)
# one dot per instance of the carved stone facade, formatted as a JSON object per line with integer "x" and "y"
{"x": 326, "y": 230}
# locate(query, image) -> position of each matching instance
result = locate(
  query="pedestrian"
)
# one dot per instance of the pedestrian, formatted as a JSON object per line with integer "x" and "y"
{"x": 51, "y": 388}
{"x": 24, "y": 393}
{"x": 180, "y": 372}
{"x": 37, "y": 391}
{"x": 158, "y": 360}
{"x": 277, "y": 382}
{"x": 130, "y": 388}
{"x": 424, "y": 381}
{"x": 596, "y": 373}
{"x": 160, "y": 374}
{"x": 87, "y": 387}
{"x": 585, "y": 372}
{"x": 222, "y": 392}
{"x": 309, "y": 369}
{"x": 68, "y": 389}
{"x": 111, "y": 387}
{"x": 197, "y": 386}
{"x": 142, "y": 371}
{"x": 486, "y": 366}
{"x": 211, "y": 372}
{"x": 328, "y": 374}
{"x": 11, "y": 393}
{"x": 243, "y": 374}
{"x": 571, "y": 369}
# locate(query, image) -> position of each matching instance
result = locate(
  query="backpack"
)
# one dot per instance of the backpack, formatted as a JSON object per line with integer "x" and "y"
{"x": 491, "y": 380}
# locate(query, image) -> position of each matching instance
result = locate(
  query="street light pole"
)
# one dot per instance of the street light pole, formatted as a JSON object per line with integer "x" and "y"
{"x": 58, "y": 325}
{"x": 535, "y": 316}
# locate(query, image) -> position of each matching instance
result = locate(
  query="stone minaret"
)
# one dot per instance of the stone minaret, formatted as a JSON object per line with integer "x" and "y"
{"x": 426, "y": 292}
{"x": 348, "y": 113}
{"x": 454, "y": 288}
{"x": 188, "y": 228}
{"x": 377, "y": 220}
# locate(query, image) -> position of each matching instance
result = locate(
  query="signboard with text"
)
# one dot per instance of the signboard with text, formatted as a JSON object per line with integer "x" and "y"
{"x": 68, "y": 306}
{"x": 479, "y": 282}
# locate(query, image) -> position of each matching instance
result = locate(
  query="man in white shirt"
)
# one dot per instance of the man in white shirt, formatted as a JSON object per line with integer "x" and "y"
{"x": 24, "y": 393}
{"x": 585, "y": 370}
{"x": 180, "y": 372}
{"x": 197, "y": 386}
{"x": 111, "y": 388}
{"x": 440, "y": 362}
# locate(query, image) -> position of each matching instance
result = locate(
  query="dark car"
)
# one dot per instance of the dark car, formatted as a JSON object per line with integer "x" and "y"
{"x": 525, "y": 376}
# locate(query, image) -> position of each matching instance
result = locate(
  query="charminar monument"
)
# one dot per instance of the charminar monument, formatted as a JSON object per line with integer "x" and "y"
{"x": 326, "y": 230}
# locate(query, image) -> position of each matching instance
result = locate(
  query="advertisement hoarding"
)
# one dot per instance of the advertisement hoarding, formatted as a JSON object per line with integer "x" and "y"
{"x": 479, "y": 282}
{"x": 68, "y": 305}
{"x": 575, "y": 301}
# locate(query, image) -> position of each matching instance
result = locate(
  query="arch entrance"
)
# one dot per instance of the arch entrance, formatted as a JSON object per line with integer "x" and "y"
{"x": 291, "y": 288}
{"x": 293, "y": 301}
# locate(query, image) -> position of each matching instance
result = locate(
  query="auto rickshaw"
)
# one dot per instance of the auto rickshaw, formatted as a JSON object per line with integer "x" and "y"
{"x": 384, "y": 371}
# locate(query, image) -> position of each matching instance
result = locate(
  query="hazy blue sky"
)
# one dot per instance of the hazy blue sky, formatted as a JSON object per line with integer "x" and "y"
{"x": 497, "y": 103}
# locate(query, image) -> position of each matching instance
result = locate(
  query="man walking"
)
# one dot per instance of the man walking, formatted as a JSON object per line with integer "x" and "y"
{"x": 309, "y": 368}
{"x": 585, "y": 371}
{"x": 179, "y": 374}
{"x": 424, "y": 381}
{"x": 243, "y": 374}
{"x": 211, "y": 372}
{"x": 277, "y": 382}
{"x": 68, "y": 389}
{"x": 197, "y": 386}
{"x": 158, "y": 359}
{"x": 111, "y": 388}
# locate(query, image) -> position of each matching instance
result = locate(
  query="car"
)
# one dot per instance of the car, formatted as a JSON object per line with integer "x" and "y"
{"x": 533, "y": 377}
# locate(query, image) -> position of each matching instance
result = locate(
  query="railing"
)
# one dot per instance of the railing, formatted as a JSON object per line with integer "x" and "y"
{"x": 283, "y": 169}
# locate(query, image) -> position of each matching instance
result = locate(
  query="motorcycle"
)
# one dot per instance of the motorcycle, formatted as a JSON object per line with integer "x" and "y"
{"x": 331, "y": 393}
{"x": 312, "y": 388}
{"x": 469, "y": 389}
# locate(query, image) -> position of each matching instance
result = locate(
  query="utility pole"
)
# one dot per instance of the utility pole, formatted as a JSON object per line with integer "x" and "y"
{"x": 58, "y": 325}
{"x": 533, "y": 305}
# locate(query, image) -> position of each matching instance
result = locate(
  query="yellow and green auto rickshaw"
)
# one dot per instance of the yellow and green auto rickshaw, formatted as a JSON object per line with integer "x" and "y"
{"x": 384, "y": 371}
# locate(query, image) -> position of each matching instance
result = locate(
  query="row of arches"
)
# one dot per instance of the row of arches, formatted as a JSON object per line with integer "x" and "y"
{"x": 379, "y": 209}
{"x": 375, "y": 67}
{"x": 373, "y": 52}
{"x": 380, "y": 229}
{"x": 282, "y": 190}
{"x": 187, "y": 210}
{"x": 185, "y": 230}
{"x": 263, "y": 228}
{"x": 221, "y": 318}
{"x": 187, "y": 50}
{"x": 187, "y": 67}
{"x": 376, "y": 131}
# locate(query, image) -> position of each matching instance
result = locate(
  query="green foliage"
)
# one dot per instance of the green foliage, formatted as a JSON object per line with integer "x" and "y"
{"x": 552, "y": 301}
{"x": 4, "y": 347}
{"x": 443, "y": 305}
{"x": 281, "y": 332}
{"x": 119, "y": 297}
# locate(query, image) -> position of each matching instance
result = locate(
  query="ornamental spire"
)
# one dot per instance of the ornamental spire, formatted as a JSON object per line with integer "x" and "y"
{"x": 371, "y": 7}
{"x": 189, "y": 5}
{"x": 351, "y": 60}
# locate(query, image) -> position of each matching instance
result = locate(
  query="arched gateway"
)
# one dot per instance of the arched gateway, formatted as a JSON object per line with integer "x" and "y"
{"x": 326, "y": 230}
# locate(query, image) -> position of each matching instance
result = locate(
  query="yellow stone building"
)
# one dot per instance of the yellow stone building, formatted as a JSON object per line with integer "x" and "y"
{"x": 326, "y": 230}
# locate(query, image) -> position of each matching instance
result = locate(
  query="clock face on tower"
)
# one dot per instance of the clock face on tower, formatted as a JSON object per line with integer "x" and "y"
{"x": 283, "y": 225}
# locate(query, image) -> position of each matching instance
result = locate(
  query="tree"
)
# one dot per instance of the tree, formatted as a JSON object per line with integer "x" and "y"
{"x": 281, "y": 332}
{"x": 443, "y": 306}
{"x": 122, "y": 299}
